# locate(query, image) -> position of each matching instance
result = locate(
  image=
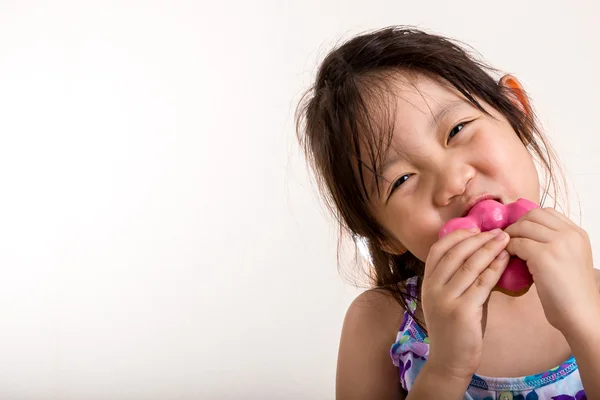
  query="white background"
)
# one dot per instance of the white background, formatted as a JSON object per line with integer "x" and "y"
{"x": 159, "y": 235}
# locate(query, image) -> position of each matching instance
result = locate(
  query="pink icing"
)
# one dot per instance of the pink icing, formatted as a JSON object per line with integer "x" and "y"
{"x": 490, "y": 214}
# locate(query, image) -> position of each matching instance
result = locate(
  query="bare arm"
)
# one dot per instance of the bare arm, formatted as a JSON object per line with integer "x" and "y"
{"x": 365, "y": 369}
{"x": 585, "y": 345}
{"x": 587, "y": 353}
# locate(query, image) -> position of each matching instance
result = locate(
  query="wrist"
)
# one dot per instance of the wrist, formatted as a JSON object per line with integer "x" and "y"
{"x": 444, "y": 369}
{"x": 586, "y": 327}
{"x": 434, "y": 382}
{"x": 584, "y": 337}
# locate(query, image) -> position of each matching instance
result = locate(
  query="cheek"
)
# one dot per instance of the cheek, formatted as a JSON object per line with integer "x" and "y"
{"x": 499, "y": 150}
{"x": 521, "y": 175}
{"x": 509, "y": 163}
{"x": 416, "y": 232}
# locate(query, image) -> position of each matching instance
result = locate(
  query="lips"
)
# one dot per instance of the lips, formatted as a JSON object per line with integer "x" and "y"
{"x": 478, "y": 199}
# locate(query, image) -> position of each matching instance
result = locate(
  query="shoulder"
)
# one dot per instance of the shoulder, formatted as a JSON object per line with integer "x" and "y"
{"x": 365, "y": 369}
{"x": 376, "y": 306}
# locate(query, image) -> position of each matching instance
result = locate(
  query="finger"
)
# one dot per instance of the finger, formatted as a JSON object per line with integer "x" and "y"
{"x": 531, "y": 229}
{"x": 479, "y": 291}
{"x": 566, "y": 221}
{"x": 522, "y": 247}
{"x": 458, "y": 255}
{"x": 442, "y": 246}
{"x": 543, "y": 216}
{"x": 476, "y": 264}
{"x": 558, "y": 215}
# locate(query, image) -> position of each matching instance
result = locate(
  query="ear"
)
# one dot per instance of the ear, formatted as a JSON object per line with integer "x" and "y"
{"x": 516, "y": 92}
{"x": 517, "y": 95}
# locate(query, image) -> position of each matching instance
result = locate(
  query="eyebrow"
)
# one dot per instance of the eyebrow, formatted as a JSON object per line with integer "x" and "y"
{"x": 447, "y": 109}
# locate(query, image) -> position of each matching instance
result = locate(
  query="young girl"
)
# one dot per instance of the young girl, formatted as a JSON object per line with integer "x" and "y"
{"x": 405, "y": 130}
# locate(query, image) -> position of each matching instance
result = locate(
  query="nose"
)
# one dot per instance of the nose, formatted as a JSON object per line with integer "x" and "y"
{"x": 452, "y": 181}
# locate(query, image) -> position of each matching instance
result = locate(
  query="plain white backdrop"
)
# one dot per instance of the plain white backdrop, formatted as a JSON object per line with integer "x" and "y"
{"x": 159, "y": 235}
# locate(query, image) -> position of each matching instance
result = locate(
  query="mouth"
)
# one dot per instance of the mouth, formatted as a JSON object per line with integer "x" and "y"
{"x": 479, "y": 199}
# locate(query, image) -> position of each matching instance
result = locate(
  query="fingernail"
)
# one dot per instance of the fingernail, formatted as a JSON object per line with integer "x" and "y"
{"x": 474, "y": 230}
{"x": 503, "y": 254}
{"x": 497, "y": 230}
{"x": 501, "y": 236}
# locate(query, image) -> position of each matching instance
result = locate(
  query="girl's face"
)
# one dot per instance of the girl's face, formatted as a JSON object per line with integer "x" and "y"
{"x": 444, "y": 154}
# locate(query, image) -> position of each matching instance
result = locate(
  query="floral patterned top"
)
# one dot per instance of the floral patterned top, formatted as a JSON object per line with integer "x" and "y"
{"x": 409, "y": 353}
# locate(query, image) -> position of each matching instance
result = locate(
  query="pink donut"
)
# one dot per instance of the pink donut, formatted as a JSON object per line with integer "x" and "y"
{"x": 490, "y": 214}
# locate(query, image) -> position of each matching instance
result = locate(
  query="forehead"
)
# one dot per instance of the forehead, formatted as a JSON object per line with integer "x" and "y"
{"x": 419, "y": 97}
{"x": 408, "y": 109}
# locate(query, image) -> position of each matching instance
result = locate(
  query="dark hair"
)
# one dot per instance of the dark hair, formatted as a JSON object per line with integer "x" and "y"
{"x": 333, "y": 120}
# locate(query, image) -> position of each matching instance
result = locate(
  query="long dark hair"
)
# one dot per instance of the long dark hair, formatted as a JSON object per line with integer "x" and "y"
{"x": 336, "y": 116}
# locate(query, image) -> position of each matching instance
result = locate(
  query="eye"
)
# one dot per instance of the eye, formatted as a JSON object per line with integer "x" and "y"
{"x": 398, "y": 182}
{"x": 456, "y": 129}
